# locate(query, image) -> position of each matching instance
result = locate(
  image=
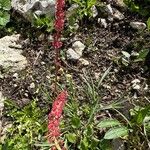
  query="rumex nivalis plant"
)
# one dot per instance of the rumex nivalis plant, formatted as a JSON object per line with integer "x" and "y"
{"x": 58, "y": 105}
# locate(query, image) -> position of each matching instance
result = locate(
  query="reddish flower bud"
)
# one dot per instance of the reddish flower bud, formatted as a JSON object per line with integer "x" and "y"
{"x": 55, "y": 115}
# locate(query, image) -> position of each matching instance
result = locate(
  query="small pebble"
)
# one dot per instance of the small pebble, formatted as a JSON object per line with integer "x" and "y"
{"x": 32, "y": 85}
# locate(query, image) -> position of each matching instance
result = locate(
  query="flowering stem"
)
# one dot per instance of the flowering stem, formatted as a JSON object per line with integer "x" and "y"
{"x": 59, "y": 26}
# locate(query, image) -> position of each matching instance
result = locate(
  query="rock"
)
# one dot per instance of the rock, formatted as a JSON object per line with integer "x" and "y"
{"x": 29, "y": 7}
{"x": 109, "y": 9}
{"x": 11, "y": 58}
{"x": 120, "y": 3}
{"x": 118, "y": 144}
{"x": 1, "y": 103}
{"x": 94, "y": 11}
{"x": 32, "y": 85}
{"x": 138, "y": 25}
{"x": 105, "y": 10}
{"x": 135, "y": 81}
{"x": 15, "y": 75}
{"x": 135, "y": 84}
{"x": 1, "y": 113}
{"x": 71, "y": 10}
{"x": 72, "y": 55}
{"x": 118, "y": 15}
{"x": 136, "y": 87}
{"x": 146, "y": 87}
{"x": 102, "y": 22}
{"x": 84, "y": 62}
{"x": 78, "y": 47}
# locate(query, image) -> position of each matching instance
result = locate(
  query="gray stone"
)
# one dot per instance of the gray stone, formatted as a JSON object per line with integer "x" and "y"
{"x": 138, "y": 25}
{"x": 11, "y": 58}
{"x": 109, "y": 9}
{"x": 94, "y": 11}
{"x": 118, "y": 15}
{"x": 1, "y": 103}
{"x": 135, "y": 81}
{"x": 84, "y": 62}
{"x": 29, "y": 7}
{"x": 121, "y": 4}
{"x": 72, "y": 55}
{"x": 102, "y": 22}
{"x": 135, "y": 84}
{"x": 72, "y": 10}
{"x": 118, "y": 144}
{"x": 78, "y": 47}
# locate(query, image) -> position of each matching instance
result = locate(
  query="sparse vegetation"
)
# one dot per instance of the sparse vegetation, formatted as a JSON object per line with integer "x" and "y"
{"x": 107, "y": 87}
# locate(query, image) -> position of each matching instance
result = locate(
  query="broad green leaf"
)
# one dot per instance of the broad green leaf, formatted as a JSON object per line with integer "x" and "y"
{"x": 114, "y": 133}
{"x": 75, "y": 122}
{"x": 142, "y": 55}
{"x": 71, "y": 137}
{"x": 108, "y": 123}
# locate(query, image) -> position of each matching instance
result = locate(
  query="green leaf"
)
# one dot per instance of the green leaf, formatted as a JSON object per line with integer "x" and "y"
{"x": 105, "y": 144}
{"x": 5, "y": 4}
{"x": 141, "y": 114}
{"x": 84, "y": 144}
{"x": 148, "y": 23}
{"x": 114, "y": 133}
{"x": 71, "y": 137}
{"x": 4, "y": 18}
{"x": 75, "y": 122}
{"x": 108, "y": 123}
{"x": 142, "y": 55}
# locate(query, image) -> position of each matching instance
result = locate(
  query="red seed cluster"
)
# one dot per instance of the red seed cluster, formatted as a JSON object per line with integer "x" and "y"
{"x": 59, "y": 23}
{"x": 55, "y": 116}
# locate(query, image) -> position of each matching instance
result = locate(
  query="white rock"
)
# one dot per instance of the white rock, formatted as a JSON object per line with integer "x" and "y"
{"x": 72, "y": 55}
{"x": 1, "y": 103}
{"x": 29, "y": 7}
{"x": 78, "y": 47}
{"x": 109, "y": 9}
{"x": 121, "y": 3}
{"x": 135, "y": 54}
{"x": 138, "y": 25}
{"x": 102, "y": 22}
{"x": 11, "y": 58}
{"x": 135, "y": 81}
{"x": 136, "y": 86}
{"x": 15, "y": 75}
{"x": 94, "y": 11}
{"x": 32, "y": 85}
{"x": 146, "y": 87}
{"x": 84, "y": 62}
{"x": 118, "y": 15}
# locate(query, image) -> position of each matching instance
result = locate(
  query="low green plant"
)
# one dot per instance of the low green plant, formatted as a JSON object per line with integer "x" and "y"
{"x": 142, "y": 7}
{"x": 44, "y": 22}
{"x": 82, "y": 9}
{"x": 28, "y": 126}
{"x": 5, "y": 6}
{"x": 81, "y": 126}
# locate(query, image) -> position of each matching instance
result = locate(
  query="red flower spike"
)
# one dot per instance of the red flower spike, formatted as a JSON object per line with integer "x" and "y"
{"x": 55, "y": 116}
